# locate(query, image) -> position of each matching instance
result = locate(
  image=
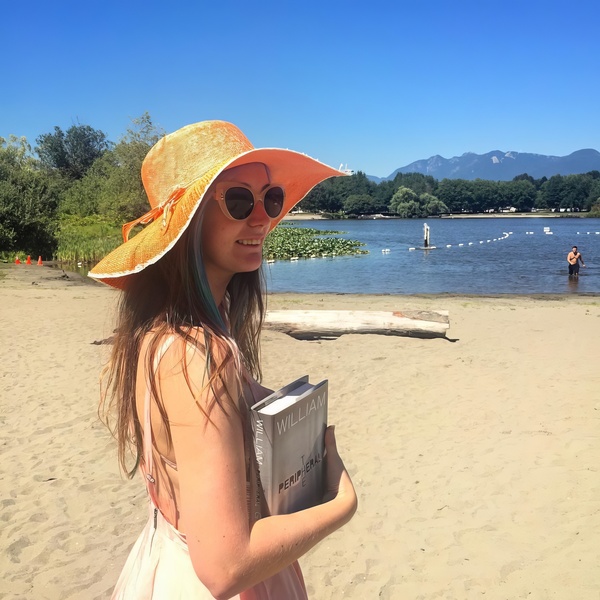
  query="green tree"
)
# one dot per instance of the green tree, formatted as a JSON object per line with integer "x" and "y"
{"x": 485, "y": 195}
{"x": 576, "y": 189}
{"x": 124, "y": 198}
{"x": 402, "y": 196}
{"x": 456, "y": 194}
{"x": 540, "y": 201}
{"x": 409, "y": 210}
{"x": 85, "y": 196}
{"x": 112, "y": 186}
{"x": 593, "y": 197}
{"x": 325, "y": 197}
{"x": 417, "y": 182}
{"x": 552, "y": 192}
{"x": 525, "y": 177}
{"x": 357, "y": 183}
{"x": 405, "y": 203}
{"x": 431, "y": 206}
{"x": 383, "y": 194}
{"x": 28, "y": 201}
{"x": 359, "y": 204}
{"x": 71, "y": 153}
{"x": 519, "y": 193}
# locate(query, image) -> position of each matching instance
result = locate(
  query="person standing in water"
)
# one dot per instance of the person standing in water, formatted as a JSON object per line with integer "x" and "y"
{"x": 574, "y": 258}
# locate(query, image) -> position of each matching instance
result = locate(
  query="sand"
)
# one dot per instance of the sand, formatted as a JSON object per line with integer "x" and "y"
{"x": 476, "y": 460}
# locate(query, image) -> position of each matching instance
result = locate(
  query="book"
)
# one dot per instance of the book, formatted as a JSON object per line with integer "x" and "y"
{"x": 289, "y": 437}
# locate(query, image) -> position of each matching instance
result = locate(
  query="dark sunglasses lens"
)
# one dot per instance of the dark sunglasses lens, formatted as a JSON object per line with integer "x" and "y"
{"x": 239, "y": 202}
{"x": 274, "y": 202}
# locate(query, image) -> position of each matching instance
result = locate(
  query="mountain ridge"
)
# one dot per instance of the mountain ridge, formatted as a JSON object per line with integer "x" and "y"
{"x": 498, "y": 165}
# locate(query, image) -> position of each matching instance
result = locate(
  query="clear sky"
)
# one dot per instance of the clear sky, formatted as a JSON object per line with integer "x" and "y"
{"x": 373, "y": 84}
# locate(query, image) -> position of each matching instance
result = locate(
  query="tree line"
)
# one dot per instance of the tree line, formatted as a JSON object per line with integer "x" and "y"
{"x": 68, "y": 195}
{"x": 413, "y": 195}
{"x": 73, "y": 189}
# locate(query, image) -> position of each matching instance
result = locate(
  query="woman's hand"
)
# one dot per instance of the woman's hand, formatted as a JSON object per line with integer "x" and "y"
{"x": 338, "y": 485}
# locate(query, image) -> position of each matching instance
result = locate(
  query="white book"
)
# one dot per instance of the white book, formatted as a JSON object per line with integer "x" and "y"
{"x": 289, "y": 437}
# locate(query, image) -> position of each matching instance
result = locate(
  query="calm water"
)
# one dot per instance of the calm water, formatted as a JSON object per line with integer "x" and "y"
{"x": 522, "y": 260}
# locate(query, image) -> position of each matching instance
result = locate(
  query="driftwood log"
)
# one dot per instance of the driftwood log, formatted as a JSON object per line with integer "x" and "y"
{"x": 329, "y": 324}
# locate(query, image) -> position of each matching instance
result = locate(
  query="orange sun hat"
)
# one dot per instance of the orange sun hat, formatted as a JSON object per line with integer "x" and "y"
{"x": 178, "y": 171}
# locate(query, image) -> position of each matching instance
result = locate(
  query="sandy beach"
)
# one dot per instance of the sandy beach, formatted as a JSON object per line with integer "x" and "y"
{"x": 476, "y": 458}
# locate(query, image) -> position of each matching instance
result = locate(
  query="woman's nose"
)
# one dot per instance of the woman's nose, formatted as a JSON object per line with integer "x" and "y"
{"x": 258, "y": 216}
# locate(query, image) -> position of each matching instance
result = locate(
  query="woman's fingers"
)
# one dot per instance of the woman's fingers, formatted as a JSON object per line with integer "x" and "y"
{"x": 338, "y": 481}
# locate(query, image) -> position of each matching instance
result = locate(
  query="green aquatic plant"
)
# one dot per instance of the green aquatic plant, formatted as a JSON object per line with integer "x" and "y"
{"x": 286, "y": 242}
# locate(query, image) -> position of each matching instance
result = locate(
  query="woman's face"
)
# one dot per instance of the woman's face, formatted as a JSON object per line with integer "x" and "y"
{"x": 229, "y": 246}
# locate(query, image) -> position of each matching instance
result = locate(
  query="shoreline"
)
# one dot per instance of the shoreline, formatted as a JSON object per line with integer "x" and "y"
{"x": 536, "y": 215}
{"x": 518, "y": 216}
{"x": 55, "y": 275}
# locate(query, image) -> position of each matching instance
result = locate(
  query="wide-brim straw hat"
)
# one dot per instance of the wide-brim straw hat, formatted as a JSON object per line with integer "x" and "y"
{"x": 178, "y": 171}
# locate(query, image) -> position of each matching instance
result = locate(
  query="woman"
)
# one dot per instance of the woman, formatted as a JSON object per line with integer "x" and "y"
{"x": 184, "y": 368}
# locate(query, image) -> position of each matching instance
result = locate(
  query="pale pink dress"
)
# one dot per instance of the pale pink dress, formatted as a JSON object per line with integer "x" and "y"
{"x": 159, "y": 565}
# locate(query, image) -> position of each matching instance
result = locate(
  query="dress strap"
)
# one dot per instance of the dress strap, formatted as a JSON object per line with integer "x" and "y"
{"x": 147, "y": 442}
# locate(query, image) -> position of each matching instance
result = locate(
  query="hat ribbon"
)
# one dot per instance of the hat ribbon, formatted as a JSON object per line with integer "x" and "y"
{"x": 164, "y": 209}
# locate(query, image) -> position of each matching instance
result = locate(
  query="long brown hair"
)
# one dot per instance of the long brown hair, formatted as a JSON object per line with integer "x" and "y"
{"x": 172, "y": 296}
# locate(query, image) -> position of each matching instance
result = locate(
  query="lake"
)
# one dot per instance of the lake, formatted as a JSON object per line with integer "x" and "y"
{"x": 472, "y": 256}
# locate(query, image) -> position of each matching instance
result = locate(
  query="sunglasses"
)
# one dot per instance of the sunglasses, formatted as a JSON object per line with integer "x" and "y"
{"x": 237, "y": 200}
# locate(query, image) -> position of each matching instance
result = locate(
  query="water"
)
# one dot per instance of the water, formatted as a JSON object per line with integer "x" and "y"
{"x": 517, "y": 262}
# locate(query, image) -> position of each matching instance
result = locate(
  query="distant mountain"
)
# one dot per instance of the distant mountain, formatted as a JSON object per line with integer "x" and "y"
{"x": 502, "y": 166}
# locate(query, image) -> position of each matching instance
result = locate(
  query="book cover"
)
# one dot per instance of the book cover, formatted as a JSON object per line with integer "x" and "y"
{"x": 289, "y": 436}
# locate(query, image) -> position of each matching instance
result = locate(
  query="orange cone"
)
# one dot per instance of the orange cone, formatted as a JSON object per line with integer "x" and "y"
{"x": 40, "y": 263}
{"x": 17, "y": 261}
{"x": 28, "y": 261}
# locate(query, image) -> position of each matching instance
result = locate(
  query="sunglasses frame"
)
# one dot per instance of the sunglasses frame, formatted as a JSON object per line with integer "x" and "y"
{"x": 222, "y": 187}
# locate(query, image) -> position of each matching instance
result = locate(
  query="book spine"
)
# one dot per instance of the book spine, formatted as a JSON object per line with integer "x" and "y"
{"x": 263, "y": 442}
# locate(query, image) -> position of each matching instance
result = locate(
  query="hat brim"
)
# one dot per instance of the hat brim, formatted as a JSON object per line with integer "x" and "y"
{"x": 297, "y": 172}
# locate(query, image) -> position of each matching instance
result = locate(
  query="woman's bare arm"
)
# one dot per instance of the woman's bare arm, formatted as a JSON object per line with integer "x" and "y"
{"x": 227, "y": 554}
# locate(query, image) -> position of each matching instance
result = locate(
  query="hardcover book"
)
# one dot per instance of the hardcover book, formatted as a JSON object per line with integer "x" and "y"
{"x": 289, "y": 436}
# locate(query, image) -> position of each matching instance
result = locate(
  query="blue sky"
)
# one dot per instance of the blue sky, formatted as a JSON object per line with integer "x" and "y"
{"x": 374, "y": 85}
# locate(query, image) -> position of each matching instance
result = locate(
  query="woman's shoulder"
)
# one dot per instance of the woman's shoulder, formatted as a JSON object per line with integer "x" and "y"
{"x": 178, "y": 363}
{"x": 163, "y": 350}
{"x": 166, "y": 338}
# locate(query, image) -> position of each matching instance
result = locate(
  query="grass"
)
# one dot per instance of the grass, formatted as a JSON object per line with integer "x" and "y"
{"x": 86, "y": 239}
